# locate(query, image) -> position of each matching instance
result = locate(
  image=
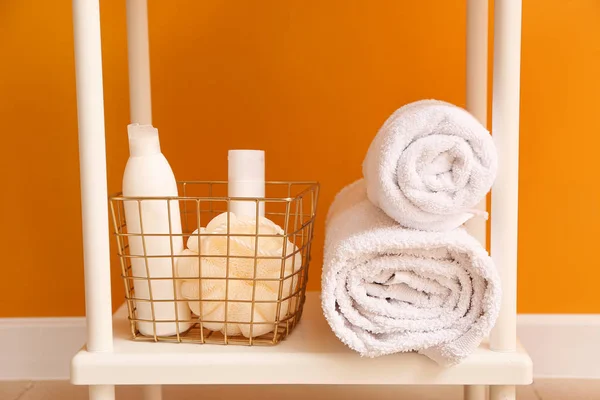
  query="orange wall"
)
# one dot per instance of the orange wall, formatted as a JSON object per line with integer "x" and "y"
{"x": 308, "y": 81}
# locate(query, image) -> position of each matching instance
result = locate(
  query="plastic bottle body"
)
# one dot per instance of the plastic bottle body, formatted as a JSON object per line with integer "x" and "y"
{"x": 148, "y": 174}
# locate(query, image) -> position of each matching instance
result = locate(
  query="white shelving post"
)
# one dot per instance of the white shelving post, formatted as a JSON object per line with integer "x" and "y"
{"x": 140, "y": 93}
{"x": 476, "y": 99}
{"x": 92, "y": 164}
{"x": 476, "y": 88}
{"x": 505, "y": 199}
{"x": 138, "y": 54}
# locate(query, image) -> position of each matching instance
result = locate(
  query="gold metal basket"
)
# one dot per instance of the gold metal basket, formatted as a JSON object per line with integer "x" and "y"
{"x": 272, "y": 286}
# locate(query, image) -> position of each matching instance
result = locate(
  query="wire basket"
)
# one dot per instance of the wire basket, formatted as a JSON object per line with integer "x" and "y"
{"x": 221, "y": 278}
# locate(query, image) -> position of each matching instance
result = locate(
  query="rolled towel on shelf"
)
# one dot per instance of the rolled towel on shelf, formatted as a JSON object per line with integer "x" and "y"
{"x": 430, "y": 163}
{"x": 387, "y": 289}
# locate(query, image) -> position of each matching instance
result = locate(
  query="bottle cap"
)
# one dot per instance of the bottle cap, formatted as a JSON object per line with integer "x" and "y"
{"x": 143, "y": 140}
{"x": 246, "y": 178}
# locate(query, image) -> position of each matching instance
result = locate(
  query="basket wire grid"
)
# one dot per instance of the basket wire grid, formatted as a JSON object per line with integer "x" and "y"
{"x": 291, "y": 205}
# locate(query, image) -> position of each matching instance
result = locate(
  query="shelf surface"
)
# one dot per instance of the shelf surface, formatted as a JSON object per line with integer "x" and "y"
{"x": 310, "y": 355}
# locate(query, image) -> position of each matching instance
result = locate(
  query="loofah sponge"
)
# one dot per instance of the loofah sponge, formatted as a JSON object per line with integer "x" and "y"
{"x": 265, "y": 278}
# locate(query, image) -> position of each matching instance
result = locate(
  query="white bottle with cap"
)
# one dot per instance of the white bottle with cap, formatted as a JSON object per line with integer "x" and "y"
{"x": 246, "y": 178}
{"x": 148, "y": 174}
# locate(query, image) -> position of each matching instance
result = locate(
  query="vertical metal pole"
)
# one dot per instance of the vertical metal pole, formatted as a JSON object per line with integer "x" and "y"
{"x": 140, "y": 96}
{"x": 102, "y": 392}
{"x": 505, "y": 194}
{"x": 92, "y": 165}
{"x": 152, "y": 392}
{"x": 477, "y": 74}
{"x": 475, "y": 392}
{"x": 503, "y": 392}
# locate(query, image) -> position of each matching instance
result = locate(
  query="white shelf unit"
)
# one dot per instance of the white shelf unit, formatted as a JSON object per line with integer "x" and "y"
{"x": 312, "y": 351}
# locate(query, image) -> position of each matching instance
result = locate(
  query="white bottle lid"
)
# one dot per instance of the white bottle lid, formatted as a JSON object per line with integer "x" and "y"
{"x": 143, "y": 140}
{"x": 246, "y": 178}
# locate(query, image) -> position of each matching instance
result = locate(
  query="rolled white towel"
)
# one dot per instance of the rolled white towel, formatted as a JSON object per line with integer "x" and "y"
{"x": 387, "y": 289}
{"x": 430, "y": 163}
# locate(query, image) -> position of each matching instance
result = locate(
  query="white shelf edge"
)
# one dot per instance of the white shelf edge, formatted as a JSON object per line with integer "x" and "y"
{"x": 311, "y": 355}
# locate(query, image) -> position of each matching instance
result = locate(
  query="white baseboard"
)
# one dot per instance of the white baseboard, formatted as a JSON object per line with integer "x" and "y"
{"x": 39, "y": 348}
{"x": 561, "y": 346}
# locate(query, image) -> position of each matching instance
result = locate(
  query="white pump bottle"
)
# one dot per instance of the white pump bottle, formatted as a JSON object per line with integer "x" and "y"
{"x": 148, "y": 174}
